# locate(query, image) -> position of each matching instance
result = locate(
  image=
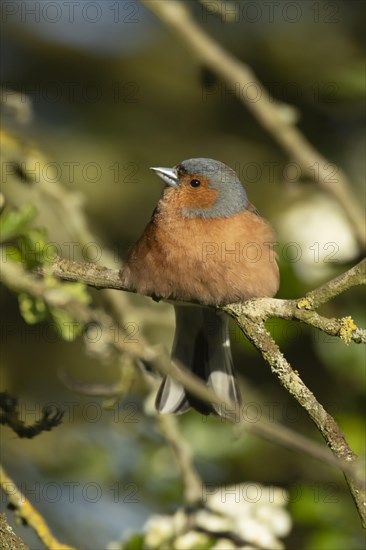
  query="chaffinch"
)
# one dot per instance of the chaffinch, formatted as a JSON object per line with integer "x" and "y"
{"x": 205, "y": 243}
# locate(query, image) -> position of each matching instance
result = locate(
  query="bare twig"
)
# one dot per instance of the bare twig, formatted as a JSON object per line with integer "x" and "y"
{"x": 277, "y": 119}
{"x": 193, "y": 486}
{"x": 271, "y": 431}
{"x": 303, "y": 309}
{"x": 10, "y": 416}
{"x": 90, "y": 274}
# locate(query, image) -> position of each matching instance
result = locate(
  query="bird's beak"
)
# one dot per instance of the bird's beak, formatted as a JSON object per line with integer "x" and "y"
{"x": 169, "y": 175}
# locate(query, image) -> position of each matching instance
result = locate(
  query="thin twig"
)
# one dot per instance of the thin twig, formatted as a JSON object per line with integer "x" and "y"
{"x": 270, "y": 431}
{"x": 193, "y": 486}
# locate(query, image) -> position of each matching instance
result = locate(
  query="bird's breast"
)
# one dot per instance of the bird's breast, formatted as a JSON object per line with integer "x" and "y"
{"x": 213, "y": 261}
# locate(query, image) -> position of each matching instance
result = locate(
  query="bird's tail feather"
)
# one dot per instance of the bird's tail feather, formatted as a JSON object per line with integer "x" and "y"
{"x": 202, "y": 345}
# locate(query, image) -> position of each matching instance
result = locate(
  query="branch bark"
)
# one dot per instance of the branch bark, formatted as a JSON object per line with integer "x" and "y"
{"x": 8, "y": 539}
{"x": 302, "y": 309}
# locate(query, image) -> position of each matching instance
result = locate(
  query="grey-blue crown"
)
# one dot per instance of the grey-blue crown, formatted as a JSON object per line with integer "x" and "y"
{"x": 232, "y": 197}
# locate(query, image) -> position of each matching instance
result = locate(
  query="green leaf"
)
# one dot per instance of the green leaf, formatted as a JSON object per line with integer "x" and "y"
{"x": 12, "y": 254}
{"x": 68, "y": 329}
{"x": 33, "y": 246}
{"x": 33, "y": 310}
{"x": 135, "y": 542}
{"x": 14, "y": 222}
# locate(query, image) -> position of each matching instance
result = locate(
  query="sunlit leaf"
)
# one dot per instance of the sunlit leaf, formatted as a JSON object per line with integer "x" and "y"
{"x": 33, "y": 310}
{"x": 14, "y": 222}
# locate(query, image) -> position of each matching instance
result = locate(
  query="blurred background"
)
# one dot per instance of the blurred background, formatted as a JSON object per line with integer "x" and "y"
{"x": 94, "y": 93}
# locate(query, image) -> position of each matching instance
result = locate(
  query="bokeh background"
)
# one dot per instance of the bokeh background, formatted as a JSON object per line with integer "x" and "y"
{"x": 105, "y": 91}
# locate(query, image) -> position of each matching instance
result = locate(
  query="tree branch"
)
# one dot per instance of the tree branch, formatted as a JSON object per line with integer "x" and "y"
{"x": 93, "y": 275}
{"x": 257, "y": 334}
{"x": 8, "y": 539}
{"x": 303, "y": 309}
{"x": 259, "y": 309}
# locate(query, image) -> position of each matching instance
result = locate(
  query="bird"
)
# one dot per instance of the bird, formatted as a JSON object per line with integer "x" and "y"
{"x": 205, "y": 246}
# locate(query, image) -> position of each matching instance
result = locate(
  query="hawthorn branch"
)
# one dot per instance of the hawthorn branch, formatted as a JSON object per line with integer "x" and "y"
{"x": 10, "y": 416}
{"x": 302, "y": 309}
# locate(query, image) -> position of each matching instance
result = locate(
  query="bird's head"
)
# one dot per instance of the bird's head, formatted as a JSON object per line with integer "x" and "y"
{"x": 204, "y": 188}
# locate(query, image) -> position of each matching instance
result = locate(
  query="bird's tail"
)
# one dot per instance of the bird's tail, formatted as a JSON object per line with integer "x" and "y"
{"x": 202, "y": 345}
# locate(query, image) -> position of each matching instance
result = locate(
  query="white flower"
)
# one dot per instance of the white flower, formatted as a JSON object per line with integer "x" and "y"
{"x": 158, "y": 530}
{"x": 213, "y": 522}
{"x": 253, "y": 531}
{"x": 257, "y": 513}
{"x": 229, "y": 500}
{"x": 224, "y": 544}
{"x": 191, "y": 541}
{"x": 276, "y": 519}
{"x": 251, "y": 511}
{"x": 179, "y": 521}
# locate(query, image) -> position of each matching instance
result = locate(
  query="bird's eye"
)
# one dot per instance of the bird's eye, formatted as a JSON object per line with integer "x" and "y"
{"x": 195, "y": 183}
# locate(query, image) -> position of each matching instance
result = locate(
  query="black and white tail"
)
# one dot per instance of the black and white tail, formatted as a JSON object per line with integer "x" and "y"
{"x": 202, "y": 345}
